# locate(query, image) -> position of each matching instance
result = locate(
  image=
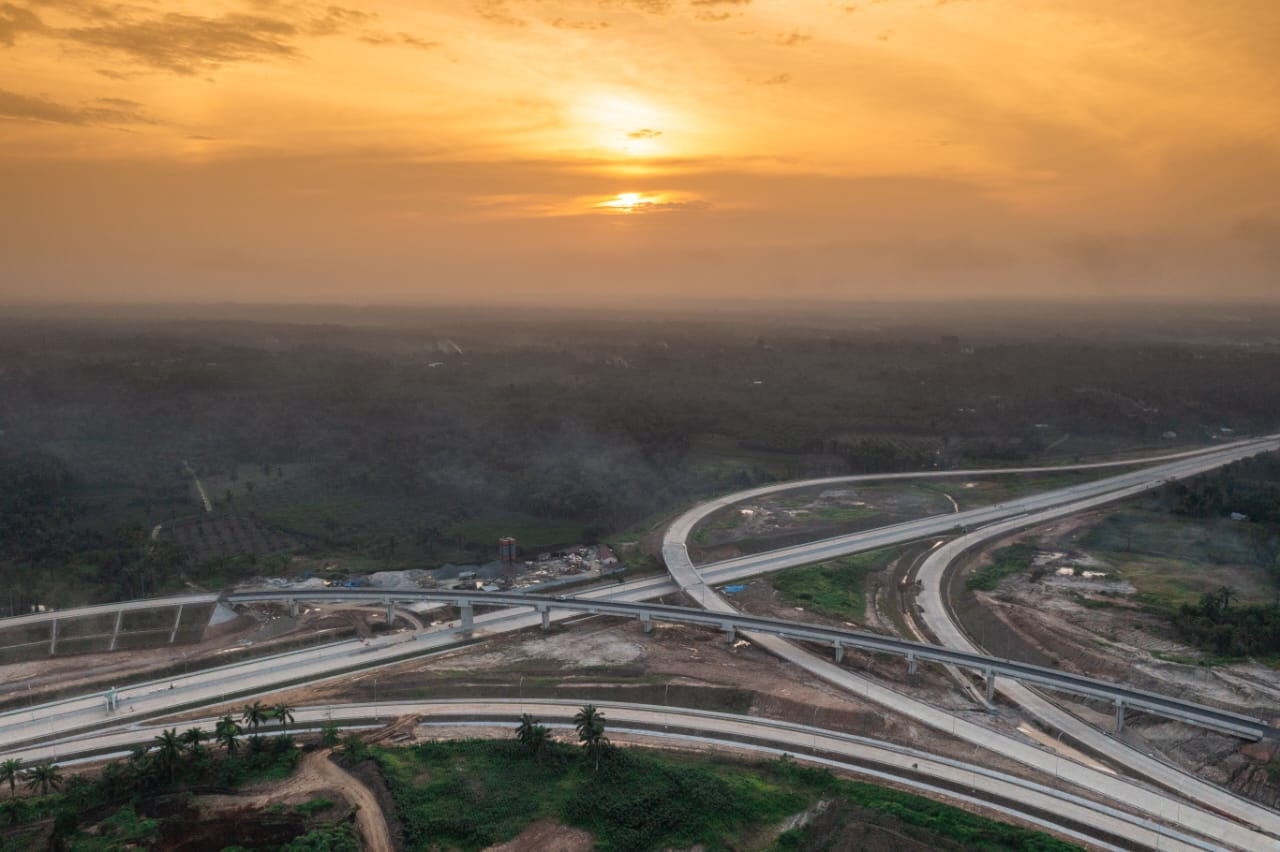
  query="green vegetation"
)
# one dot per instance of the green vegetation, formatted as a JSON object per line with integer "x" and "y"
{"x": 836, "y": 588}
{"x": 122, "y": 830}
{"x": 1005, "y": 562}
{"x": 326, "y": 838}
{"x": 471, "y": 794}
{"x": 1231, "y": 631}
{"x": 987, "y": 491}
{"x": 843, "y": 514}
{"x": 373, "y": 442}
{"x": 171, "y": 763}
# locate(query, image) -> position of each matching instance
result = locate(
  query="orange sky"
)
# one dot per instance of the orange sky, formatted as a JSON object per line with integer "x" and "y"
{"x": 533, "y": 150}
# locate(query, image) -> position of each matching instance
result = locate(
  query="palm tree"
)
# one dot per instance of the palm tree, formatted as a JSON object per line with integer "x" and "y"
{"x": 10, "y": 771}
{"x": 254, "y": 715}
{"x": 284, "y": 713}
{"x": 168, "y": 750}
{"x": 533, "y": 735}
{"x": 590, "y": 724}
{"x": 226, "y": 732}
{"x": 192, "y": 737}
{"x": 44, "y": 777}
{"x": 525, "y": 728}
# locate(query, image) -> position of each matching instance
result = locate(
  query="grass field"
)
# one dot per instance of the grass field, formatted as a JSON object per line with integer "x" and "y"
{"x": 1171, "y": 560}
{"x": 1003, "y": 563}
{"x": 973, "y": 493}
{"x": 472, "y": 794}
{"x": 836, "y": 589}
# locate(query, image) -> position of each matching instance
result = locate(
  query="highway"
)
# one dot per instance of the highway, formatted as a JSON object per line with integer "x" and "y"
{"x": 1214, "y": 718}
{"x": 56, "y": 720}
{"x": 1025, "y": 512}
{"x": 1043, "y": 805}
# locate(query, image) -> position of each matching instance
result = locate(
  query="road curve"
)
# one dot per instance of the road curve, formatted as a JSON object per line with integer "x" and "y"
{"x": 1061, "y": 811}
{"x": 1250, "y": 825}
{"x": 938, "y": 618}
{"x": 56, "y": 720}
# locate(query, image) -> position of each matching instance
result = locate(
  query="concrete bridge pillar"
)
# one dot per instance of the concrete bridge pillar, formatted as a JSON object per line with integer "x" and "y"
{"x": 911, "y": 664}
{"x": 646, "y": 623}
{"x": 729, "y": 632}
{"x": 467, "y": 612}
{"x": 991, "y": 684}
{"x": 173, "y": 634}
{"x": 546, "y": 616}
{"x": 293, "y": 608}
{"x": 391, "y": 613}
{"x": 1119, "y": 715}
{"x": 115, "y": 633}
{"x": 839, "y": 652}
{"x": 53, "y": 638}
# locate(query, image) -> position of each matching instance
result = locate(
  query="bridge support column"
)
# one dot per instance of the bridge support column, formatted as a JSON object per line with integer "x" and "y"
{"x": 911, "y": 664}
{"x": 839, "y": 652}
{"x": 1119, "y": 715}
{"x": 173, "y": 634}
{"x": 467, "y": 612}
{"x": 729, "y": 632}
{"x": 646, "y": 623}
{"x": 53, "y": 638}
{"x": 991, "y": 685}
{"x": 293, "y": 608}
{"x": 546, "y": 617}
{"x": 391, "y": 613}
{"x": 115, "y": 633}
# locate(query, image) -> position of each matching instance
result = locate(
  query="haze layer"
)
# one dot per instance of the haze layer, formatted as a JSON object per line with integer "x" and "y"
{"x": 621, "y": 150}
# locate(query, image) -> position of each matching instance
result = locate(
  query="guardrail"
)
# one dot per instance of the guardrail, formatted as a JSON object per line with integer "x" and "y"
{"x": 1123, "y": 697}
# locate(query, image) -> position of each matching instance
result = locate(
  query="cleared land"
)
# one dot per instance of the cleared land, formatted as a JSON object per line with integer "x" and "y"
{"x": 1095, "y": 594}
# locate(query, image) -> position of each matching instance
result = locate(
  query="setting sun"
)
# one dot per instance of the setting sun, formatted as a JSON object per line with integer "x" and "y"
{"x": 629, "y": 202}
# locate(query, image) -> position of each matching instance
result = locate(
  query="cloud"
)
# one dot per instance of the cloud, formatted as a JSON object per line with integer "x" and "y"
{"x": 652, "y": 7}
{"x": 188, "y": 44}
{"x": 18, "y": 107}
{"x": 644, "y": 133}
{"x": 336, "y": 19}
{"x": 15, "y": 20}
{"x": 497, "y": 12}
{"x": 776, "y": 80}
{"x": 719, "y": 2}
{"x": 562, "y": 24}
{"x": 380, "y": 37}
{"x": 792, "y": 38}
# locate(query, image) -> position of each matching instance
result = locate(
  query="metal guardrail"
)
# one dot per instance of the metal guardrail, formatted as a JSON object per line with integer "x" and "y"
{"x": 990, "y": 667}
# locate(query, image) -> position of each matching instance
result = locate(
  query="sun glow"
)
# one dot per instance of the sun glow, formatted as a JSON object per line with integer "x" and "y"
{"x": 630, "y": 202}
{"x": 624, "y": 125}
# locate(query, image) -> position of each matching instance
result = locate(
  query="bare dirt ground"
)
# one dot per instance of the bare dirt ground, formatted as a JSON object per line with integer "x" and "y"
{"x": 929, "y": 683}
{"x": 792, "y": 517}
{"x": 682, "y": 666}
{"x": 1090, "y": 624}
{"x": 315, "y": 777}
{"x": 548, "y": 836}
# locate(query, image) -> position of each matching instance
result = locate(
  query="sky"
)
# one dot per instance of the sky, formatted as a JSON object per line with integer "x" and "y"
{"x": 618, "y": 151}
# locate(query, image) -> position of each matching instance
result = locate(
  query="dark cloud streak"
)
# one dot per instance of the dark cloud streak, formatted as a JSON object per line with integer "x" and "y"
{"x": 103, "y": 111}
{"x": 16, "y": 20}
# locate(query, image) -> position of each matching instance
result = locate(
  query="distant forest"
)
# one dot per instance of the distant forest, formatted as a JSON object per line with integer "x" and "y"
{"x": 414, "y": 444}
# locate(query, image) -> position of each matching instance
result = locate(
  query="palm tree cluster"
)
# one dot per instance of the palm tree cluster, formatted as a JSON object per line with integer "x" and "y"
{"x": 589, "y": 721}
{"x": 40, "y": 778}
{"x": 533, "y": 735}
